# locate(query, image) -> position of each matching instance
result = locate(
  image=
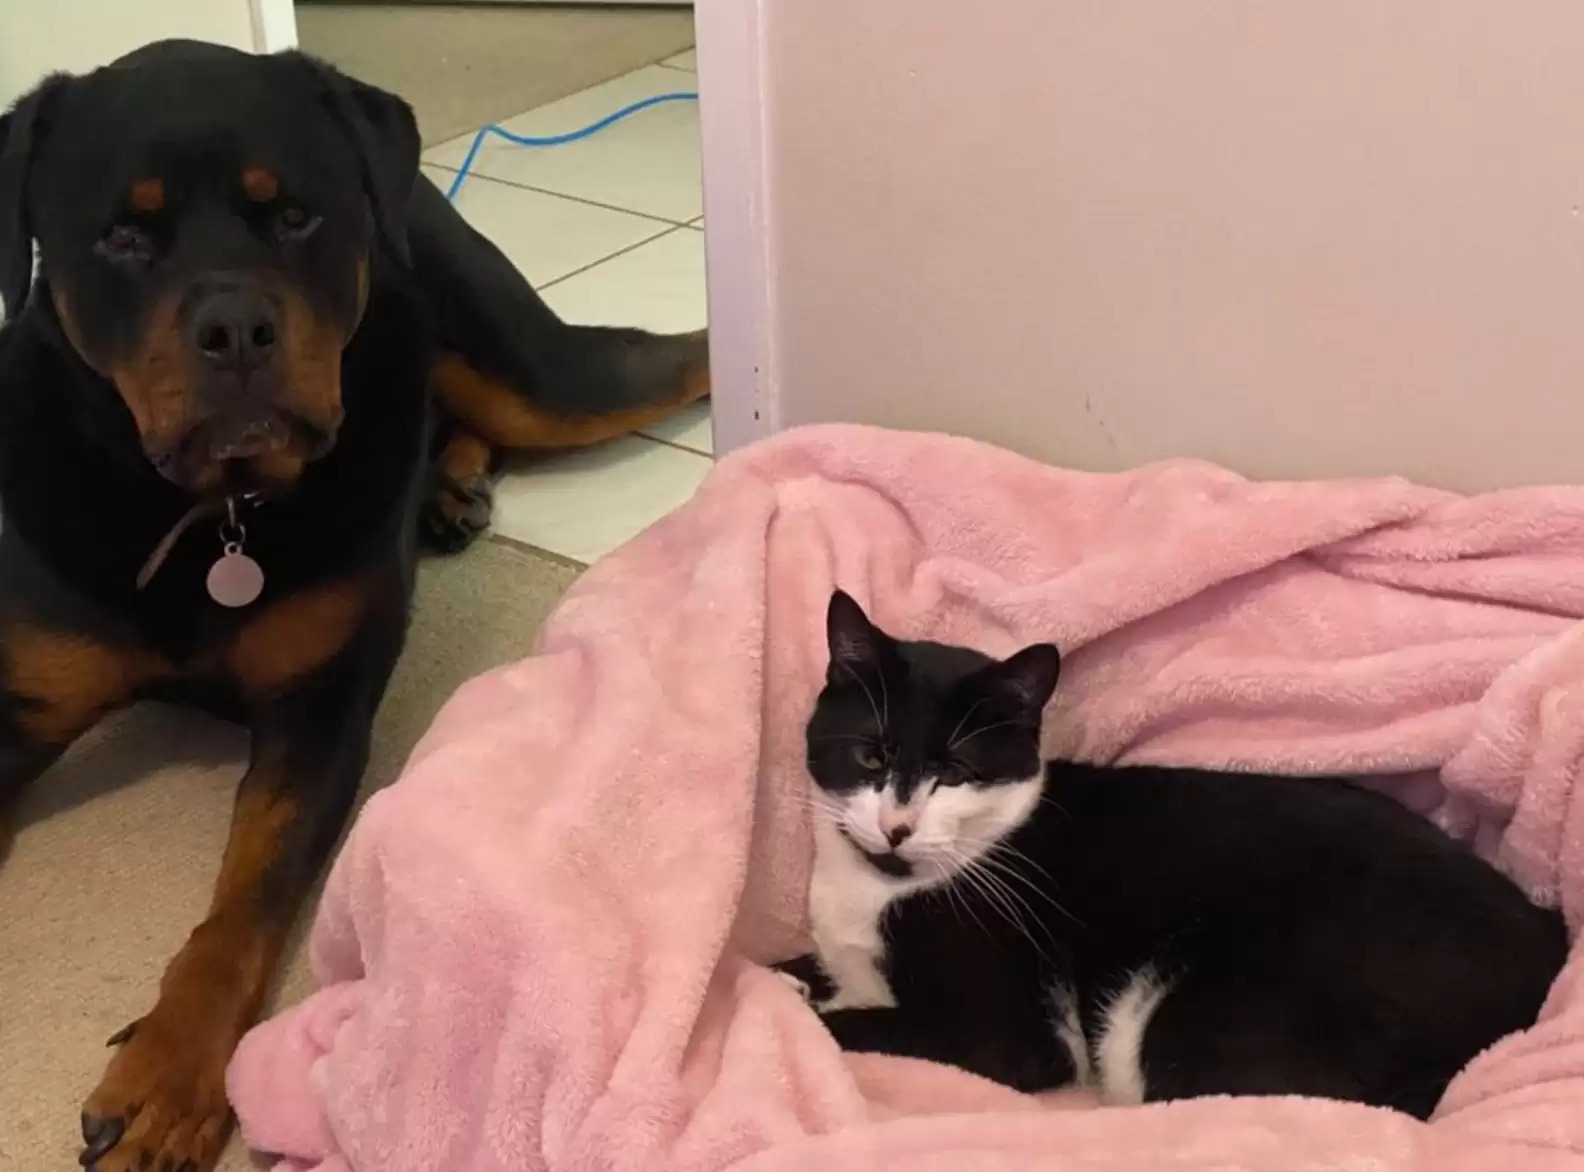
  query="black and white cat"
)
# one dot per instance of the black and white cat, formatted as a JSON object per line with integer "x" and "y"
{"x": 1153, "y": 933}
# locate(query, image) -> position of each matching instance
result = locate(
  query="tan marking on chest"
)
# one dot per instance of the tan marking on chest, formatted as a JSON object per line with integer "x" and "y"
{"x": 295, "y": 636}
{"x": 63, "y": 683}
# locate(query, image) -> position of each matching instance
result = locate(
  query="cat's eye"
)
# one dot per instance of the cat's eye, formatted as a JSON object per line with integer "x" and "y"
{"x": 867, "y": 758}
{"x": 957, "y": 773}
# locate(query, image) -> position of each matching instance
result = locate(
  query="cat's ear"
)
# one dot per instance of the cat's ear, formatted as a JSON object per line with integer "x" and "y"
{"x": 854, "y": 641}
{"x": 1029, "y": 677}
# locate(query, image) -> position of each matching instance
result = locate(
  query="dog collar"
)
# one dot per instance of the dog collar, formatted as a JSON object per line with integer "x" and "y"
{"x": 235, "y": 580}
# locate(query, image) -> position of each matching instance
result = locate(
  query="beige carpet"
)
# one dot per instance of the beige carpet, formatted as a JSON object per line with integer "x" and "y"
{"x": 462, "y": 65}
{"x": 120, "y": 842}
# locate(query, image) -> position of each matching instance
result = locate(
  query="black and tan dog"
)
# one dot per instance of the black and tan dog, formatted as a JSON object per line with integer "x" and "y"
{"x": 259, "y": 356}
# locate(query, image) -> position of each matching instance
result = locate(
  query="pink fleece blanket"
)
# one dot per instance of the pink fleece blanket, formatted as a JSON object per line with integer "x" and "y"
{"x": 539, "y": 949}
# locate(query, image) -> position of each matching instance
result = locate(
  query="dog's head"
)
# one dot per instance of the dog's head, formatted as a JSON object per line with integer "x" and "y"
{"x": 205, "y": 223}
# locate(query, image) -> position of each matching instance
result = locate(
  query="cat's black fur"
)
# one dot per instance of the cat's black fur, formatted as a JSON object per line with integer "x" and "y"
{"x": 1316, "y": 937}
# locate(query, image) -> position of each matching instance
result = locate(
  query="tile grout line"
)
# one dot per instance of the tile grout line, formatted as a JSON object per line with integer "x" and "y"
{"x": 664, "y": 62}
{"x": 542, "y": 286}
{"x": 592, "y": 203}
{"x": 669, "y": 443}
{"x": 534, "y": 548}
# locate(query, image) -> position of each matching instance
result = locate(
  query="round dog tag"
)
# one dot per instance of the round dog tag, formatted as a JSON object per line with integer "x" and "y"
{"x": 236, "y": 579}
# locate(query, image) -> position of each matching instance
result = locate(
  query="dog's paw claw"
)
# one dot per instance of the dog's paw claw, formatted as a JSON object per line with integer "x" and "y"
{"x": 161, "y": 1106}
{"x": 99, "y": 1134}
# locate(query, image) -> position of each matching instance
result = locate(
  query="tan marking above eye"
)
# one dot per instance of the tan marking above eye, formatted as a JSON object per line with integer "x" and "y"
{"x": 260, "y": 184}
{"x": 146, "y": 196}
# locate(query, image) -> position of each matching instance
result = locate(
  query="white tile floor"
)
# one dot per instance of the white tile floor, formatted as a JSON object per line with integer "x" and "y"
{"x": 608, "y": 230}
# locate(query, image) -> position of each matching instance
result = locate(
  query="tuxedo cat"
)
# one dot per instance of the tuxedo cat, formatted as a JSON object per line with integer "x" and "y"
{"x": 1152, "y": 933}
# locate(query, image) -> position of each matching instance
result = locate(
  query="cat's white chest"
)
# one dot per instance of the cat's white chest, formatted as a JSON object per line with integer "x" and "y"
{"x": 846, "y": 900}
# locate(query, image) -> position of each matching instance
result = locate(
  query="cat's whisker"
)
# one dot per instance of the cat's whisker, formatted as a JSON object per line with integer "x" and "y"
{"x": 1000, "y": 846}
{"x": 967, "y": 869}
{"x": 998, "y": 852}
{"x": 1023, "y": 924}
{"x": 1013, "y": 909}
{"x": 977, "y": 846}
{"x": 1003, "y": 889}
{"x": 1047, "y": 800}
{"x": 989, "y": 860}
{"x": 951, "y": 740}
{"x": 969, "y": 879}
{"x": 868, "y": 695}
{"x": 988, "y": 855}
{"x": 957, "y": 901}
{"x": 981, "y": 730}
{"x": 827, "y": 809}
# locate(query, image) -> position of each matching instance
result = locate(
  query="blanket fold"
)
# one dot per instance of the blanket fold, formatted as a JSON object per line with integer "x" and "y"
{"x": 541, "y": 948}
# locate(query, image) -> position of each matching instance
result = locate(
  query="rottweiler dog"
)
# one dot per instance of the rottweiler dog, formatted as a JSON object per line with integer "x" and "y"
{"x": 260, "y": 356}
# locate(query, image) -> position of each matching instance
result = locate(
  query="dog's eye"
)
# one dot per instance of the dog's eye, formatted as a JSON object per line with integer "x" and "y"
{"x": 867, "y": 757}
{"x": 126, "y": 242}
{"x": 295, "y": 222}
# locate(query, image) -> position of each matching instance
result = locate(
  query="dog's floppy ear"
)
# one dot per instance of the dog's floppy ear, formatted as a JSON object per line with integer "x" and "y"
{"x": 384, "y": 134}
{"x": 20, "y": 130}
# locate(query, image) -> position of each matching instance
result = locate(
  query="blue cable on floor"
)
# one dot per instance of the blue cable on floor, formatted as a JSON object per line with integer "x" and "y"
{"x": 555, "y": 139}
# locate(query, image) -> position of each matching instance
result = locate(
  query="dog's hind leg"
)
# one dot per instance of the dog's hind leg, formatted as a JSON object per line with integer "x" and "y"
{"x": 514, "y": 377}
{"x": 490, "y": 416}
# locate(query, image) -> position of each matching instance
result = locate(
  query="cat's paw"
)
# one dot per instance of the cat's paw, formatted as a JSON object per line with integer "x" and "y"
{"x": 806, "y": 976}
{"x": 798, "y": 984}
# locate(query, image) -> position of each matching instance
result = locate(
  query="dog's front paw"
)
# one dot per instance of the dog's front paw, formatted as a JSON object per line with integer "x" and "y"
{"x": 161, "y": 1106}
{"x": 457, "y": 512}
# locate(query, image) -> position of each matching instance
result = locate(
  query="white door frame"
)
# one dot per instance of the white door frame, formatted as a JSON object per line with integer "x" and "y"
{"x": 737, "y": 206}
{"x": 274, "y": 25}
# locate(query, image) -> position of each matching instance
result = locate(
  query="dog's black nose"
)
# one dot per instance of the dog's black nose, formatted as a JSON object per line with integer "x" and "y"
{"x": 237, "y": 329}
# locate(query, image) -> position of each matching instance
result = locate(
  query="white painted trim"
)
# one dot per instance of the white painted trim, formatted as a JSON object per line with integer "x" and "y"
{"x": 732, "y": 114}
{"x": 274, "y": 25}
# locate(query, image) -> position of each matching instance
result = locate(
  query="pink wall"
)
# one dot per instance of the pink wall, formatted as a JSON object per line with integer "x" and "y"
{"x": 1298, "y": 238}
